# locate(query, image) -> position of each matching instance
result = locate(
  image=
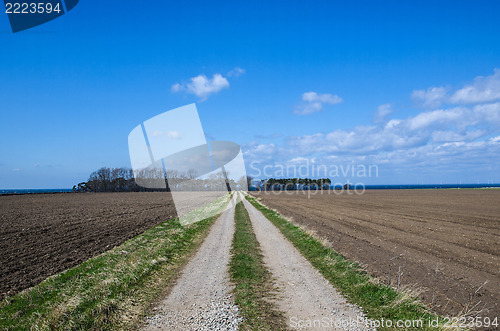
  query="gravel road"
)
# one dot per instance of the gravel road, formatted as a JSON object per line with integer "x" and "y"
{"x": 306, "y": 296}
{"x": 201, "y": 298}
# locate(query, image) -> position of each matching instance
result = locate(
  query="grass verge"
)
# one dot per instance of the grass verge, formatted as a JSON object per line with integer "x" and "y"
{"x": 378, "y": 301}
{"x": 110, "y": 291}
{"x": 253, "y": 282}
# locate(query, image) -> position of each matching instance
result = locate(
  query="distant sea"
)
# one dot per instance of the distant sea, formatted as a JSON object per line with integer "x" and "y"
{"x": 31, "y": 191}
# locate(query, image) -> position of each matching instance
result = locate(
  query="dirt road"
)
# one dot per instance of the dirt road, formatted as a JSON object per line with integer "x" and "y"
{"x": 306, "y": 297}
{"x": 201, "y": 298}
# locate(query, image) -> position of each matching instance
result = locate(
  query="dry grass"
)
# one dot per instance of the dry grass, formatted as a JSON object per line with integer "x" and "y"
{"x": 111, "y": 291}
{"x": 254, "y": 291}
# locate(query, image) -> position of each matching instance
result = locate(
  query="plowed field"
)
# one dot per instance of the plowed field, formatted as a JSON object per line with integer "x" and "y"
{"x": 445, "y": 242}
{"x": 43, "y": 234}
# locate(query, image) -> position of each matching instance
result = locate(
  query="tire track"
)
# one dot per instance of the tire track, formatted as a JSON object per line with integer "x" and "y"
{"x": 201, "y": 298}
{"x": 307, "y": 298}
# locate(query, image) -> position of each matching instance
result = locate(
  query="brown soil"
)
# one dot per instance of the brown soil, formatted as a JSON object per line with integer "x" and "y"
{"x": 447, "y": 242}
{"x": 43, "y": 234}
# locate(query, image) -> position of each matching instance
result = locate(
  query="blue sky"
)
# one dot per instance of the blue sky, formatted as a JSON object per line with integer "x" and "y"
{"x": 409, "y": 87}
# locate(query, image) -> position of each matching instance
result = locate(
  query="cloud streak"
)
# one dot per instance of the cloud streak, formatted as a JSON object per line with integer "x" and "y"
{"x": 236, "y": 72}
{"x": 432, "y": 97}
{"x": 313, "y": 102}
{"x": 427, "y": 128}
{"x": 382, "y": 112}
{"x": 482, "y": 90}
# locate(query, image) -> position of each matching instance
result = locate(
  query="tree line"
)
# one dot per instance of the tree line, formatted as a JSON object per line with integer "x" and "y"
{"x": 110, "y": 180}
{"x": 124, "y": 180}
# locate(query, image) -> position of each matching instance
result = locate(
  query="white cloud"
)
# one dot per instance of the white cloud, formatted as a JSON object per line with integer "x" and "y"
{"x": 484, "y": 89}
{"x": 392, "y": 124}
{"x": 264, "y": 148}
{"x": 308, "y": 108}
{"x": 461, "y": 138}
{"x": 489, "y": 112}
{"x": 382, "y": 112}
{"x": 432, "y": 97}
{"x": 236, "y": 72}
{"x": 436, "y": 134}
{"x": 202, "y": 86}
{"x": 439, "y": 117}
{"x": 313, "y": 102}
{"x": 323, "y": 98}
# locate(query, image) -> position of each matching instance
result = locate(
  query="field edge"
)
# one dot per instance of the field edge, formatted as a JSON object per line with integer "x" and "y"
{"x": 113, "y": 290}
{"x": 378, "y": 301}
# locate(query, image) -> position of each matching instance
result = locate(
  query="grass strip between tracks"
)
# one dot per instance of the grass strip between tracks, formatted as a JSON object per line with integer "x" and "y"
{"x": 111, "y": 291}
{"x": 378, "y": 301}
{"x": 253, "y": 282}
